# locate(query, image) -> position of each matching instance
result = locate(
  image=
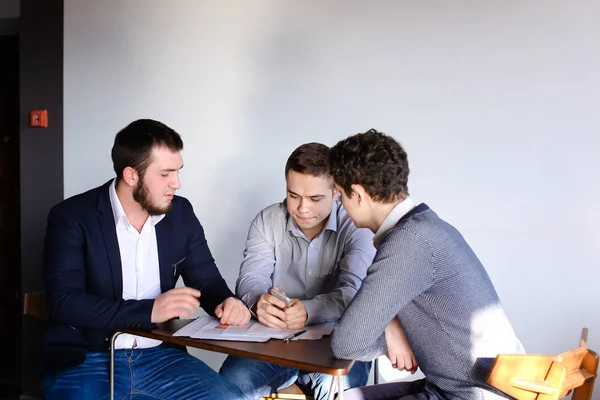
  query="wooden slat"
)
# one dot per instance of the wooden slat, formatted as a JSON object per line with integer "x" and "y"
{"x": 35, "y": 306}
{"x": 555, "y": 378}
{"x": 589, "y": 364}
{"x": 577, "y": 378}
{"x": 584, "y": 336}
{"x": 533, "y": 385}
{"x": 572, "y": 359}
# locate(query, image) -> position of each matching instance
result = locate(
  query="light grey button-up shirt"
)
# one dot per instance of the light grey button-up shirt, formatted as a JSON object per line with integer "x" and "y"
{"x": 325, "y": 272}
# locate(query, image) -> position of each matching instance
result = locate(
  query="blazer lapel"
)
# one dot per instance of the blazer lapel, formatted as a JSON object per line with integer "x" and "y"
{"x": 163, "y": 236}
{"x": 109, "y": 232}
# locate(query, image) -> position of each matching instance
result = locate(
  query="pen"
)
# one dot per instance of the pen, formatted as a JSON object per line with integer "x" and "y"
{"x": 290, "y": 337}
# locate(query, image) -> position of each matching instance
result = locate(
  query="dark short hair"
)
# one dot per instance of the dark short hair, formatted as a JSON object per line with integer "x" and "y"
{"x": 309, "y": 158}
{"x": 134, "y": 143}
{"x": 371, "y": 159}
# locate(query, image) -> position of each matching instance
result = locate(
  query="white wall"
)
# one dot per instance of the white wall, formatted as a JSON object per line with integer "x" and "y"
{"x": 496, "y": 103}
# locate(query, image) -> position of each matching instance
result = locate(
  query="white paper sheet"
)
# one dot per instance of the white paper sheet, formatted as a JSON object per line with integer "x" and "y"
{"x": 206, "y": 327}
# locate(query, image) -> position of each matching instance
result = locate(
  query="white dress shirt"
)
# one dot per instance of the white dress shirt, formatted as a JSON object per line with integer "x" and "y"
{"x": 399, "y": 211}
{"x": 139, "y": 263}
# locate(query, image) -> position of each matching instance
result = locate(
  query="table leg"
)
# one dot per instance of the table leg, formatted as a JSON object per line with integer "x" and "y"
{"x": 112, "y": 364}
{"x": 332, "y": 387}
{"x": 340, "y": 388}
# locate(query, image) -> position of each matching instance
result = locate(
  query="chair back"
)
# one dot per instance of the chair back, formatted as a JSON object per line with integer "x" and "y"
{"x": 547, "y": 377}
{"x": 35, "y": 306}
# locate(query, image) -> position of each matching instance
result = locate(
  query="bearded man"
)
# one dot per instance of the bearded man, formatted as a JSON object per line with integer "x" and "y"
{"x": 112, "y": 258}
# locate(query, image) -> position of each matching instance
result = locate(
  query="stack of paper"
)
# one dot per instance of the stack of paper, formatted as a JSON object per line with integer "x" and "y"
{"x": 207, "y": 327}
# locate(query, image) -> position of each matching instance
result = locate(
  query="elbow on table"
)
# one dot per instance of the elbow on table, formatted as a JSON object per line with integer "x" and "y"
{"x": 349, "y": 346}
{"x": 343, "y": 347}
{"x": 342, "y": 355}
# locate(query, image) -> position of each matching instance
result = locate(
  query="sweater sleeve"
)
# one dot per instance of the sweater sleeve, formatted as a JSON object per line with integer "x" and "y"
{"x": 402, "y": 270}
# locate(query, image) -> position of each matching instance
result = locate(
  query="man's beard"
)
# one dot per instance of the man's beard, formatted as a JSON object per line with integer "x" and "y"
{"x": 142, "y": 196}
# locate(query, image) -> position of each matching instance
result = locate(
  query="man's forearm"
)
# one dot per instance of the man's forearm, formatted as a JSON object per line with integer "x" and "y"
{"x": 84, "y": 310}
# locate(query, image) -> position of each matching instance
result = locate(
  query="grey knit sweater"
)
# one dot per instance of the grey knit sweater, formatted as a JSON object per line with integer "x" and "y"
{"x": 426, "y": 274}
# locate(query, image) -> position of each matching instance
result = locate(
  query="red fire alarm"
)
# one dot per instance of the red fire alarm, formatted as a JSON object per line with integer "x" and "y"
{"x": 39, "y": 118}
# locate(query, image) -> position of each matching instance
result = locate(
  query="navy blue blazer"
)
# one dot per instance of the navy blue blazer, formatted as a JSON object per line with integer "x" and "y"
{"x": 83, "y": 277}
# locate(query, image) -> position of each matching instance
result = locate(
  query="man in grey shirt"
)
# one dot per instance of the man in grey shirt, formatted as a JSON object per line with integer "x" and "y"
{"x": 425, "y": 280}
{"x": 309, "y": 248}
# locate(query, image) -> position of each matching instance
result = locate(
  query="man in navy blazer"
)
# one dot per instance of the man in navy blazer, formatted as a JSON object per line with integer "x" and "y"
{"x": 112, "y": 258}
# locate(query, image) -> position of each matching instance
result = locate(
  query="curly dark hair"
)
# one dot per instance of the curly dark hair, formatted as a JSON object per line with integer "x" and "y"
{"x": 309, "y": 158}
{"x": 374, "y": 160}
{"x": 133, "y": 145}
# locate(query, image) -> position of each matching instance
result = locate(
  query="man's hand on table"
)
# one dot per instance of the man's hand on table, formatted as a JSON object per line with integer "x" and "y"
{"x": 180, "y": 302}
{"x": 232, "y": 312}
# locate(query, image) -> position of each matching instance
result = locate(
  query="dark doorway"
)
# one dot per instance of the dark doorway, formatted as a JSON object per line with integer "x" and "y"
{"x": 10, "y": 259}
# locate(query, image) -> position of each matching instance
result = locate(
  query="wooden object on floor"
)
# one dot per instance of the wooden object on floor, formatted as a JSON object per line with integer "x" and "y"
{"x": 35, "y": 306}
{"x": 547, "y": 377}
{"x": 292, "y": 392}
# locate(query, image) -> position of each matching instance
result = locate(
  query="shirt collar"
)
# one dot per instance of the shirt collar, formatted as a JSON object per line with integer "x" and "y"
{"x": 330, "y": 225}
{"x": 117, "y": 207}
{"x": 332, "y": 219}
{"x": 399, "y": 211}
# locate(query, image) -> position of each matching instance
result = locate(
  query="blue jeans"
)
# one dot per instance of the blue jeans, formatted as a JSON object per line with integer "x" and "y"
{"x": 257, "y": 378}
{"x": 141, "y": 374}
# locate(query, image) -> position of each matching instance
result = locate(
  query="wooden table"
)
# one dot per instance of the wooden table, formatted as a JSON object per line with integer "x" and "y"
{"x": 307, "y": 355}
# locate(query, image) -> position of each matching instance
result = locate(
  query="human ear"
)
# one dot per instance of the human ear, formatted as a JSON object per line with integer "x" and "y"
{"x": 336, "y": 194}
{"x": 360, "y": 192}
{"x": 130, "y": 176}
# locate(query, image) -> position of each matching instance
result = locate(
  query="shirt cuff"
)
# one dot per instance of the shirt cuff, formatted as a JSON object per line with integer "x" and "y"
{"x": 251, "y": 303}
{"x": 312, "y": 311}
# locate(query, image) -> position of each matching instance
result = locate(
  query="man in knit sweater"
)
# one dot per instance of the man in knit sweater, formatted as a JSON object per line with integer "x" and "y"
{"x": 424, "y": 278}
